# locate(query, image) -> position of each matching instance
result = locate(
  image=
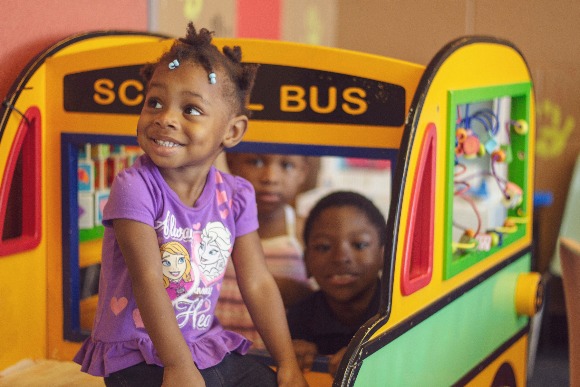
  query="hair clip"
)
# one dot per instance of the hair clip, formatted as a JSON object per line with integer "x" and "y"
{"x": 173, "y": 65}
{"x": 212, "y": 78}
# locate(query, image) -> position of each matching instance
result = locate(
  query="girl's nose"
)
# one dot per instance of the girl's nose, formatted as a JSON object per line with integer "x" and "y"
{"x": 166, "y": 119}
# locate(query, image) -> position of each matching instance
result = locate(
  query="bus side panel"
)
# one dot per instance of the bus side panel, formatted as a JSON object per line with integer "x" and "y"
{"x": 452, "y": 341}
{"x": 23, "y": 282}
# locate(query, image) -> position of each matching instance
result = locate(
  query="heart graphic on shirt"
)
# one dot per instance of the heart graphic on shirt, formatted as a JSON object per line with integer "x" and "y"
{"x": 137, "y": 319}
{"x": 196, "y": 226}
{"x": 218, "y": 178}
{"x": 118, "y": 304}
{"x": 222, "y": 197}
{"x": 224, "y": 214}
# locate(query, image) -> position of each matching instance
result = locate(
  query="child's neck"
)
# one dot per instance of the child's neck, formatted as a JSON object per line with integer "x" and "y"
{"x": 187, "y": 187}
{"x": 352, "y": 313}
{"x": 272, "y": 224}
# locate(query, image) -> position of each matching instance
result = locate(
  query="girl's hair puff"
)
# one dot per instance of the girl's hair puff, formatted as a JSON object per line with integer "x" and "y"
{"x": 347, "y": 199}
{"x": 196, "y": 47}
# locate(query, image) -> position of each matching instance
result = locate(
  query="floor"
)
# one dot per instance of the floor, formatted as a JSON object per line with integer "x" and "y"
{"x": 47, "y": 373}
{"x": 551, "y": 368}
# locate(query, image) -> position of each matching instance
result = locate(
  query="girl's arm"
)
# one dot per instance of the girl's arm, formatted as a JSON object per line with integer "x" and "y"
{"x": 262, "y": 297}
{"x": 138, "y": 243}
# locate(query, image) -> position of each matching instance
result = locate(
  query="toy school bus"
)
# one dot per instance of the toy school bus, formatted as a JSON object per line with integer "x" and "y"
{"x": 457, "y": 292}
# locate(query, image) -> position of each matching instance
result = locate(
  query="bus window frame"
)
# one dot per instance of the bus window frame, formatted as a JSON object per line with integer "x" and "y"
{"x": 71, "y": 143}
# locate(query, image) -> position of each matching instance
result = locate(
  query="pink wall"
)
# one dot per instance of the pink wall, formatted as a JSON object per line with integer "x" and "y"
{"x": 258, "y": 19}
{"x": 29, "y": 27}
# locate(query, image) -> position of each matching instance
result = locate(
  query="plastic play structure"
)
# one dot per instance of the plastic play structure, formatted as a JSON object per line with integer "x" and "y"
{"x": 457, "y": 291}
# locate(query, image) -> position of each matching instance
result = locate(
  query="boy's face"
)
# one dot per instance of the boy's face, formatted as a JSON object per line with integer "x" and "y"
{"x": 343, "y": 254}
{"x": 276, "y": 178}
{"x": 185, "y": 119}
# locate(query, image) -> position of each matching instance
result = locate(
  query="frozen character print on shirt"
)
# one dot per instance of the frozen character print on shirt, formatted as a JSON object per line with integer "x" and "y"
{"x": 176, "y": 269}
{"x": 213, "y": 248}
{"x": 213, "y": 251}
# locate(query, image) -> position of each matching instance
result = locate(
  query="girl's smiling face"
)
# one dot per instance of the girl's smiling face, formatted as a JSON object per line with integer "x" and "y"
{"x": 174, "y": 265}
{"x": 343, "y": 253}
{"x": 185, "y": 119}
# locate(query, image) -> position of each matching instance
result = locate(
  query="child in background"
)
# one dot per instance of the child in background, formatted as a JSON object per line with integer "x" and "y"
{"x": 345, "y": 236}
{"x": 148, "y": 332}
{"x": 277, "y": 180}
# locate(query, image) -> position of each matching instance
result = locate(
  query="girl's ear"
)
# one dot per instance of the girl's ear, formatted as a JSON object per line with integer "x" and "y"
{"x": 236, "y": 129}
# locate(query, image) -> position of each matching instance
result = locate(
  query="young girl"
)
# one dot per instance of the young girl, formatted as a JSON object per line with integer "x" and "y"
{"x": 277, "y": 180}
{"x": 345, "y": 236}
{"x": 144, "y": 334}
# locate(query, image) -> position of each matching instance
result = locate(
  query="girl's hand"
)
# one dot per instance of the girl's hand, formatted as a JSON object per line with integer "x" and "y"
{"x": 182, "y": 376}
{"x": 305, "y": 353}
{"x": 290, "y": 376}
{"x": 335, "y": 360}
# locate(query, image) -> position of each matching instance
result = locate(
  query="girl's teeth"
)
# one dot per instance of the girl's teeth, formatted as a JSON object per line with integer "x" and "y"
{"x": 168, "y": 144}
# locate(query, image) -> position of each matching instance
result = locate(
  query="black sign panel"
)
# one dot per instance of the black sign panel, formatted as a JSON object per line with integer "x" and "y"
{"x": 281, "y": 93}
{"x": 117, "y": 90}
{"x": 306, "y": 95}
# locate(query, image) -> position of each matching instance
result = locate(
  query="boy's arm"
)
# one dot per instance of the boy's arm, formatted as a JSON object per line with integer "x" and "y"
{"x": 138, "y": 243}
{"x": 262, "y": 298}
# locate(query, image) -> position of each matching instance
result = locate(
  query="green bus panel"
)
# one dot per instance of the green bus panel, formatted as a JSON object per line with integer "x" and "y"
{"x": 453, "y": 340}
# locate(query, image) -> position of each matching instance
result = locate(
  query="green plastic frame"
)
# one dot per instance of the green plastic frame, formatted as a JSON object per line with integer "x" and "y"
{"x": 520, "y": 94}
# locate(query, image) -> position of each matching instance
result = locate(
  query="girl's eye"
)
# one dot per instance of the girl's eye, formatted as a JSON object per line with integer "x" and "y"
{"x": 153, "y": 103}
{"x": 166, "y": 263}
{"x": 190, "y": 110}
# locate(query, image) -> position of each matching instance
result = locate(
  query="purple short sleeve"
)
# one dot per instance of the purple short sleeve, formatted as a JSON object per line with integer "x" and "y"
{"x": 131, "y": 198}
{"x": 245, "y": 207}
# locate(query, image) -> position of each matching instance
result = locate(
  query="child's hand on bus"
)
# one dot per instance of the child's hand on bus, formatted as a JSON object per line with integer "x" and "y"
{"x": 334, "y": 361}
{"x": 305, "y": 353}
